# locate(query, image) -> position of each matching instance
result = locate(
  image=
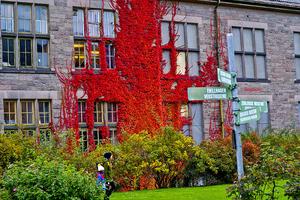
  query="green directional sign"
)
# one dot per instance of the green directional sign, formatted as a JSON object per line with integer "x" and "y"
{"x": 225, "y": 77}
{"x": 247, "y": 116}
{"x": 261, "y": 105}
{"x": 208, "y": 93}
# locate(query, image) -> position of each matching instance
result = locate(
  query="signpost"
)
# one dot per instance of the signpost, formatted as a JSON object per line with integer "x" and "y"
{"x": 226, "y": 77}
{"x": 235, "y": 108}
{"x": 244, "y": 111}
{"x": 261, "y": 105}
{"x": 208, "y": 93}
{"x": 246, "y": 116}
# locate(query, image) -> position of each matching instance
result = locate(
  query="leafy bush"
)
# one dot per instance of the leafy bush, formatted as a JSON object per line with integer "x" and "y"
{"x": 222, "y": 153}
{"x": 263, "y": 178}
{"x": 293, "y": 187}
{"x": 42, "y": 179}
{"x": 15, "y": 147}
{"x": 170, "y": 153}
{"x": 199, "y": 163}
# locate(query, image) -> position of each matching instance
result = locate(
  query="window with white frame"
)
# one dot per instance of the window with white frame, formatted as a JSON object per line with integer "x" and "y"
{"x": 187, "y": 47}
{"x": 184, "y": 111}
{"x": 78, "y": 22}
{"x": 94, "y": 22}
{"x": 113, "y": 135}
{"x": 81, "y": 111}
{"x": 27, "y": 112}
{"x": 24, "y": 18}
{"x": 41, "y": 20}
{"x": 8, "y": 52}
{"x": 97, "y": 136}
{"x": 44, "y": 111}
{"x": 112, "y": 112}
{"x": 7, "y": 17}
{"x": 84, "y": 142}
{"x": 297, "y": 53}
{"x": 109, "y": 24}
{"x": 110, "y": 56}
{"x": 250, "y": 53}
{"x": 42, "y": 52}
{"x": 10, "y": 112}
{"x": 79, "y": 54}
{"x": 95, "y": 56}
{"x": 98, "y": 112}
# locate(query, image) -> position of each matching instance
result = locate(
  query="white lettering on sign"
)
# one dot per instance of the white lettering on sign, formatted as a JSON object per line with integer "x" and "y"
{"x": 215, "y": 96}
{"x": 248, "y": 118}
{"x": 225, "y": 74}
{"x": 248, "y": 112}
{"x": 216, "y": 90}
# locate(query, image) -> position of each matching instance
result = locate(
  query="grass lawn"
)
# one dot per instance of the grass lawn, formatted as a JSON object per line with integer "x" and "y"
{"x": 195, "y": 193}
{"x": 217, "y": 192}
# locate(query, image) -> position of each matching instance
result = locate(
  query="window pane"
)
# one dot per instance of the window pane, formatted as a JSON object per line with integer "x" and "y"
{"x": 248, "y": 43}
{"x": 24, "y": 18}
{"x": 297, "y": 65}
{"x": 7, "y": 17}
{"x": 39, "y": 47}
{"x": 78, "y": 22}
{"x": 4, "y": 44}
{"x": 11, "y": 45}
{"x": 237, "y": 38}
{"x": 42, "y": 51}
{"x": 41, "y": 107}
{"x": 193, "y": 58}
{"x": 11, "y": 59}
{"x": 6, "y": 106}
{"x": 22, "y": 45}
{"x": 79, "y": 54}
{"x": 192, "y": 34}
{"x": 28, "y": 59}
{"x": 297, "y": 43}
{"x": 166, "y": 58}
{"x": 94, "y": 21}
{"x": 5, "y": 59}
{"x": 261, "y": 66}
{"x": 41, "y": 19}
{"x": 239, "y": 65}
{"x": 109, "y": 24}
{"x": 259, "y": 40}
{"x": 28, "y": 46}
{"x": 249, "y": 67}
{"x": 22, "y": 59}
{"x": 165, "y": 32}
{"x": 179, "y": 30}
{"x": 181, "y": 63}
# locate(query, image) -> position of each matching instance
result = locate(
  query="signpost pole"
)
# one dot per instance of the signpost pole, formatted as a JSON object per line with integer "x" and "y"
{"x": 235, "y": 108}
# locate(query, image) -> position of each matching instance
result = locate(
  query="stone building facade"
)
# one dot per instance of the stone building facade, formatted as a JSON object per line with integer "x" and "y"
{"x": 39, "y": 35}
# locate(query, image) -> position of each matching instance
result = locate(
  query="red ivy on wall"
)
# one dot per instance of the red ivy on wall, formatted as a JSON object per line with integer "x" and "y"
{"x": 147, "y": 99}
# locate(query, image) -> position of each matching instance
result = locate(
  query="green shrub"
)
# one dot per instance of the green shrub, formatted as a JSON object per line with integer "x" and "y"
{"x": 199, "y": 163}
{"x": 263, "y": 178}
{"x": 170, "y": 153}
{"x": 224, "y": 161}
{"x": 42, "y": 179}
{"x": 292, "y": 187}
{"x": 15, "y": 147}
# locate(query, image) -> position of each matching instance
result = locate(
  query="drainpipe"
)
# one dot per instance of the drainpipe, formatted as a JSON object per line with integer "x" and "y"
{"x": 216, "y": 23}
